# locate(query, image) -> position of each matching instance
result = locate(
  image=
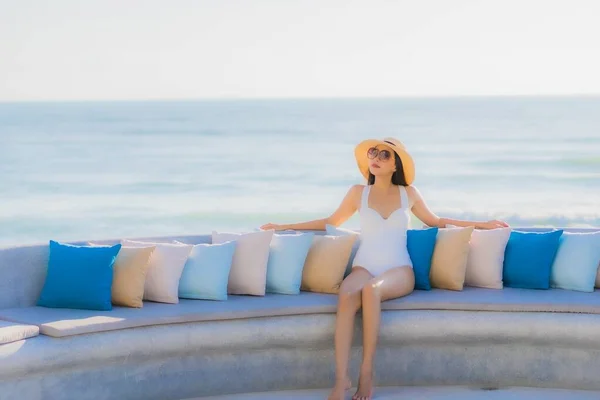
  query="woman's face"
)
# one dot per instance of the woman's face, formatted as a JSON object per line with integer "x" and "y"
{"x": 381, "y": 160}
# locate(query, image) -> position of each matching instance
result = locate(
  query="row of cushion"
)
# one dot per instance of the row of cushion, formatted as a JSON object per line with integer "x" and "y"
{"x": 254, "y": 263}
{"x": 453, "y": 257}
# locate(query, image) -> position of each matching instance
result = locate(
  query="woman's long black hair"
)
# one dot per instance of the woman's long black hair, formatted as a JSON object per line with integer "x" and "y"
{"x": 398, "y": 177}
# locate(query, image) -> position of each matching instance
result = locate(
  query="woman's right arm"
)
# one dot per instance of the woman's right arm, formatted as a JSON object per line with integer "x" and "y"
{"x": 345, "y": 210}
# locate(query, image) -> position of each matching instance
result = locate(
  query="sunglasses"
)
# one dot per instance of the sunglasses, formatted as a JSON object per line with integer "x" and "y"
{"x": 383, "y": 155}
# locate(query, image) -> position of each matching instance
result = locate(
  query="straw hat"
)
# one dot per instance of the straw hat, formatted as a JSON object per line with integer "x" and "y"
{"x": 360, "y": 152}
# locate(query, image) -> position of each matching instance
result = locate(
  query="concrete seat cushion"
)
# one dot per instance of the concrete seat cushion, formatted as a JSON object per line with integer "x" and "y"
{"x": 12, "y": 332}
{"x": 68, "y": 322}
{"x": 57, "y": 322}
{"x": 507, "y": 299}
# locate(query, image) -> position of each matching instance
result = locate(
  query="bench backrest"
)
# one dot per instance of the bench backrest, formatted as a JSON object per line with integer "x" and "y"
{"x": 23, "y": 268}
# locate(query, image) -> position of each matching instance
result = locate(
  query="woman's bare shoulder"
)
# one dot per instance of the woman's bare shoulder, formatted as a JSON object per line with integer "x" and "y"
{"x": 412, "y": 189}
{"x": 414, "y": 194}
{"x": 354, "y": 194}
{"x": 356, "y": 190}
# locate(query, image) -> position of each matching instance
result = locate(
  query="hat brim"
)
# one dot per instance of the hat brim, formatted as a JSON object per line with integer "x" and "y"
{"x": 360, "y": 153}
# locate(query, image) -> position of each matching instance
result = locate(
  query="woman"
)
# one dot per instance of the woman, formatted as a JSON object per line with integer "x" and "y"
{"x": 382, "y": 268}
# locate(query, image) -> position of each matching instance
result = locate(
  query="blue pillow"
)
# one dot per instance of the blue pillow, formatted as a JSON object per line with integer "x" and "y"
{"x": 79, "y": 277}
{"x": 287, "y": 255}
{"x": 576, "y": 263}
{"x": 335, "y": 231}
{"x": 528, "y": 259}
{"x": 420, "y": 244}
{"x": 206, "y": 271}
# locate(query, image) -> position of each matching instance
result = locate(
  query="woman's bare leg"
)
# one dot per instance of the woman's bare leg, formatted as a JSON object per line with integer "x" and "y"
{"x": 394, "y": 283}
{"x": 349, "y": 301}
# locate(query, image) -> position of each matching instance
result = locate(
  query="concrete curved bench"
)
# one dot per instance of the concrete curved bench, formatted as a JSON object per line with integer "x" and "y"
{"x": 477, "y": 337}
{"x": 489, "y": 349}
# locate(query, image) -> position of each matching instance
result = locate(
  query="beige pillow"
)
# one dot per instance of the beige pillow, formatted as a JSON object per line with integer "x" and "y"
{"x": 248, "y": 274}
{"x": 485, "y": 266}
{"x": 450, "y": 255}
{"x": 326, "y": 262}
{"x": 129, "y": 275}
{"x": 164, "y": 271}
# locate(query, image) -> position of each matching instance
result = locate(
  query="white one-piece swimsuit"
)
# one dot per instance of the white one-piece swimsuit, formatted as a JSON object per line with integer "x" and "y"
{"x": 383, "y": 241}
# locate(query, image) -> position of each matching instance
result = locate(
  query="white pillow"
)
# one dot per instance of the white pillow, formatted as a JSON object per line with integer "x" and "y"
{"x": 248, "y": 274}
{"x": 485, "y": 263}
{"x": 166, "y": 266}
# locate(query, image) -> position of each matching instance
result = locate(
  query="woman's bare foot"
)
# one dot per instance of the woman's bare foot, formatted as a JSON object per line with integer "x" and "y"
{"x": 365, "y": 386}
{"x": 339, "y": 390}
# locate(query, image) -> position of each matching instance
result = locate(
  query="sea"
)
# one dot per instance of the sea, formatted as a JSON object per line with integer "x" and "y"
{"x": 95, "y": 170}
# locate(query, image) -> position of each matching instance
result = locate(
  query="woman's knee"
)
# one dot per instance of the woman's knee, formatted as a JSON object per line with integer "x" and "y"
{"x": 371, "y": 290}
{"x": 349, "y": 300}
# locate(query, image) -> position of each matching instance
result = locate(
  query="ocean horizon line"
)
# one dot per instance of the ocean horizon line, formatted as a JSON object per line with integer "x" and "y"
{"x": 216, "y": 99}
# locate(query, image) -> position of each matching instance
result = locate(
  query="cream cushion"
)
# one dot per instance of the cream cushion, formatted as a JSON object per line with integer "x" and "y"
{"x": 486, "y": 257}
{"x": 248, "y": 274}
{"x": 129, "y": 275}
{"x": 13, "y": 332}
{"x": 164, "y": 271}
{"x": 450, "y": 255}
{"x": 326, "y": 262}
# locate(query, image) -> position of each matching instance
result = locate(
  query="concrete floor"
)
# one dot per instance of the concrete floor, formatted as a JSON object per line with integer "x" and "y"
{"x": 429, "y": 393}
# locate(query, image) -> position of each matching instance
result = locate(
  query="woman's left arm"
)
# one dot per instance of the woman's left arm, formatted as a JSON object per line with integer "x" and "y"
{"x": 429, "y": 218}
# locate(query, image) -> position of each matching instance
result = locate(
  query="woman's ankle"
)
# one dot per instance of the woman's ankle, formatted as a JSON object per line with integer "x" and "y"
{"x": 366, "y": 368}
{"x": 343, "y": 380}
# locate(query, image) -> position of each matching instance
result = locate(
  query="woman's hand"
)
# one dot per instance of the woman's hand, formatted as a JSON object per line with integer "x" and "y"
{"x": 493, "y": 224}
{"x": 270, "y": 226}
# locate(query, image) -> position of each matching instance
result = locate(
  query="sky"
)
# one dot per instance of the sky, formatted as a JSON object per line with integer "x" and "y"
{"x": 184, "y": 49}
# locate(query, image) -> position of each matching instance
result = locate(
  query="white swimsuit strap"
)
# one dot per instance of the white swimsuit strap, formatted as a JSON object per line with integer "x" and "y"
{"x": 403, "y": 197}
{"x": 364, "y": 200}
